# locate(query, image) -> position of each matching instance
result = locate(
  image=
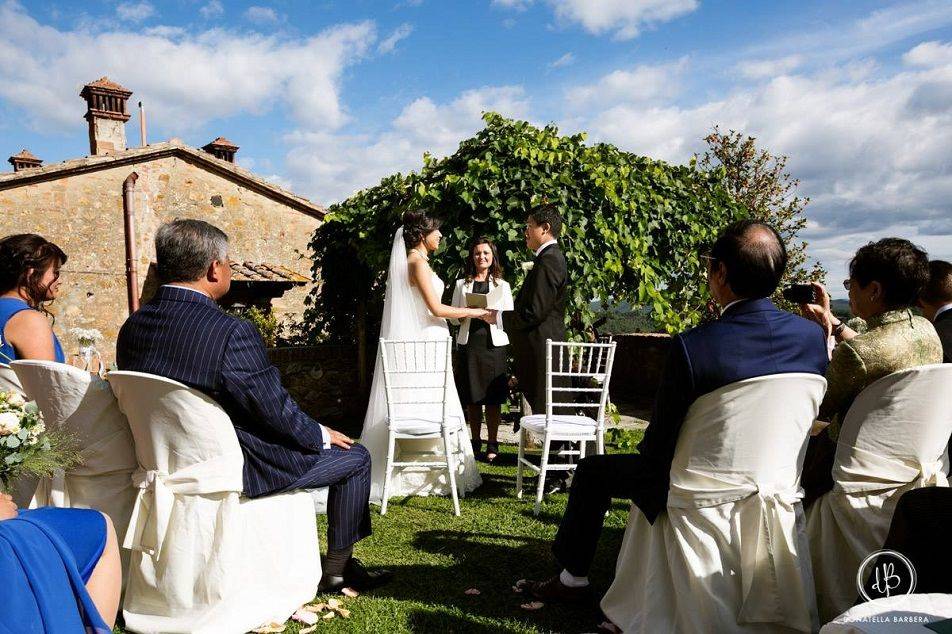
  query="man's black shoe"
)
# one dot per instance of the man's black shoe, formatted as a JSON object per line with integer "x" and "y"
{"x": 356, "y": 577}
{"x": 554, "y": 484}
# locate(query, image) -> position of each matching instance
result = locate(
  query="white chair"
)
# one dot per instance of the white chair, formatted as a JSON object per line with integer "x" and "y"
{"x": 893, "y": 439}
{"x": 83, "y": 406}
{"x": 730, "y": 553}
{"x": 589, "y": 367}
{"x": 206, "y": 559}
{"x": 418, "y": 377}
{"x": 903, "y": 613}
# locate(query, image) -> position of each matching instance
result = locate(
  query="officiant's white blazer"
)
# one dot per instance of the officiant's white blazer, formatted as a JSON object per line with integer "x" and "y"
{"x": 498, "y": 335}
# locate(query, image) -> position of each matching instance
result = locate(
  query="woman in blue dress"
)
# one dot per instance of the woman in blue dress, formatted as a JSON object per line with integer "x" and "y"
{"x": 59, "y": 568}
{"x": 29, "y": 280}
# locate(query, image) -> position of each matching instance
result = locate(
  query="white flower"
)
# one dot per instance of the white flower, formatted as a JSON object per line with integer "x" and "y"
{"x": 9, "y": 423}
{"x": 15, "y": 399}
{"x": 527, "y": 266}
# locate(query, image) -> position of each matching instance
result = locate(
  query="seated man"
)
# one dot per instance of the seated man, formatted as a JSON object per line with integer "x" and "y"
{"x": 183, "y": 335}
{"x": 935, "y": 300}
{"x": 752, "y": 338}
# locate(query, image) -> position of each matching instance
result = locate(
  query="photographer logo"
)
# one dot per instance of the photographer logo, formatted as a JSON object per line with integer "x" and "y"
{"x": 885, "y": 573}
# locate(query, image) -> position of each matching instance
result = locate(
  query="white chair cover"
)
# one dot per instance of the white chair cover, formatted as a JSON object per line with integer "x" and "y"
{"x": 204, "y": 558}
{"x": 730, "y": 553}
{"x": 82, "y": 405}
{"x": 903, "y": 613}
{"x": 8, "y": 379}
{"x": 892, "y": 440}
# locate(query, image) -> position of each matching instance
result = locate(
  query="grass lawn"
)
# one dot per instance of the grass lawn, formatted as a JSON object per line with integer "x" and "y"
{"x": 436, "y": 557}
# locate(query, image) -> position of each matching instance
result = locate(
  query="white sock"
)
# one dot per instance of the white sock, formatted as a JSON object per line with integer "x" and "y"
{"x": 571, "y": 581}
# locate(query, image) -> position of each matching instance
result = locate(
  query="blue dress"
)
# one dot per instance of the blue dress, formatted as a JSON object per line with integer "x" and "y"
{"x": 46, "y": 557}
{"x": 10, "y": 306}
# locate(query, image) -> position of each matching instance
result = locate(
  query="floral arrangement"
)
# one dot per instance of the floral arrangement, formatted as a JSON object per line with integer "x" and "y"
{"x": 26, "y": 447}
{"x": 86, "y": 337}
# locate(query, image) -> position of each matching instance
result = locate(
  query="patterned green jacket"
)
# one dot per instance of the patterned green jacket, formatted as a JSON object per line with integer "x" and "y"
{"x": 894, "y": 340}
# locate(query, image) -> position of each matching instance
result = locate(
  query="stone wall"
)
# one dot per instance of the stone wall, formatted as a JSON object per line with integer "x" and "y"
{"x": 323, "y": 380}
{"x": 639, "y": 362}
{"x": 82, "y": 213}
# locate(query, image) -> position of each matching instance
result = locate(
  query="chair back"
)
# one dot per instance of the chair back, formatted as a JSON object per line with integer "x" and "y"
{"x": 418, "y": 375}
{"x": 745, "y": 436}
{"x": 896, "y": 431}
{"x": 577, "y": 378}
{"x": 185, "y": 445}
{"x": 81, "y": 405}
{"x": 8, "y": 379}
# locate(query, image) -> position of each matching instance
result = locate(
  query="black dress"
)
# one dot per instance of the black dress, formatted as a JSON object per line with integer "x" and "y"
{"x": 481, "y": 377}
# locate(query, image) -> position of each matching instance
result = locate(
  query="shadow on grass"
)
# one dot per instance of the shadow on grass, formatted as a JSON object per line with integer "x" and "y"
{"x": 492, "y": 563}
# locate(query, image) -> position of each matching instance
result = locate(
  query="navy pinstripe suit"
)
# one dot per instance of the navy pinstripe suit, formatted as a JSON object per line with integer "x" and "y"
{"x": 183, "y": 335}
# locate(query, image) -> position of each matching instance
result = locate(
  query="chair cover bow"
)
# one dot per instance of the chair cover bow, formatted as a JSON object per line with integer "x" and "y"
{"x": 157, "y": 491}
{"x": 865, "y": 472}
{"x": 768, "y": 557}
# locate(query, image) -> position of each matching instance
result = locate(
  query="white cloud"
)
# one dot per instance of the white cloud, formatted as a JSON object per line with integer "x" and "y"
{"x": 515, "y": 5}
{"x": 261, "y": 15}
{"x": 134, "y": 11}
{"x": 331, "y": 166}
{"x": 929, "y": 54}
{"x": 642, "y": 84}
{"x": 212, "y": 9}
{"x": 769, "y": 68}
{"x": 566, "y": 60}
{"x": 43, "y": 68}
{"x": 871, "y": 149}
{"x": 623, "y": 18}
{"x": 390, "y": 42}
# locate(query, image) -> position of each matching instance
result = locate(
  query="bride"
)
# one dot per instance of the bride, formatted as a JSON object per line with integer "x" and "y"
{"x": 412, "y": 310}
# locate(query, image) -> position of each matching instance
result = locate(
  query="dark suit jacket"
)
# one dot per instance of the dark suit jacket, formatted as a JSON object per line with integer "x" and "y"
{"x": 538, "y": 314}
{"x": 183, "y": 335}
{"x": 752, "y": 338}
{"x": 943, "y": 326}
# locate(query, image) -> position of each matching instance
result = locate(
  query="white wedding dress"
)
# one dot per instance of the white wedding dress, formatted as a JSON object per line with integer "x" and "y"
{"x": 405, "y": 316}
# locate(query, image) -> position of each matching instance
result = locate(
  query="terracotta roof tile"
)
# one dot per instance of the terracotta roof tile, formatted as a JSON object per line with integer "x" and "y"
{"x": 25, "y": 154}
{"x": 222, "y": 142}
{"x": 107, "y": 84}
{"x": 265, "y": 272}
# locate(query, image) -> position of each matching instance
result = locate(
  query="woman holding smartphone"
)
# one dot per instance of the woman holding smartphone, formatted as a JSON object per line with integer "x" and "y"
{"x": 482, "y": 379}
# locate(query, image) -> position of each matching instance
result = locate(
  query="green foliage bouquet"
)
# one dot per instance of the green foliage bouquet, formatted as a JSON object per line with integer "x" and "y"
{"x": 26, "y": 447}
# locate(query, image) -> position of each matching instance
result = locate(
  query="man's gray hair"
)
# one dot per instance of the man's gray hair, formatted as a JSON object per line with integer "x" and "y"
{"x": 184, "y": 249}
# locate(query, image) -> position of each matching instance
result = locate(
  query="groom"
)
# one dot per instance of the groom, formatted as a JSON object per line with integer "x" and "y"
{"x": 539, "y": 310}
{"x": 182, "y": 334}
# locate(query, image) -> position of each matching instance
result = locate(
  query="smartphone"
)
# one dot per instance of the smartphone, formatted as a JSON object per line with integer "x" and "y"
{"x": 799, "y": 294}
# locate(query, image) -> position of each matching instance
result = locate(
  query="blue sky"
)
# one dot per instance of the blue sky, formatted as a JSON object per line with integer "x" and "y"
{"x": 328, "y": 97}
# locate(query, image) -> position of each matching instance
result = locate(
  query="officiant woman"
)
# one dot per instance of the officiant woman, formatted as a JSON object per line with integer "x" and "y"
{"x": 481, "y": 376}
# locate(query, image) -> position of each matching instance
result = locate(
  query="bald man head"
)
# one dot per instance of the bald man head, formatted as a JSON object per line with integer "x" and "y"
{"x": 753, "y": 258}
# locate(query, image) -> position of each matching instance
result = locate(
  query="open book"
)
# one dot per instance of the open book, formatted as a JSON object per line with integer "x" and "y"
{"x": 491, "y": 300}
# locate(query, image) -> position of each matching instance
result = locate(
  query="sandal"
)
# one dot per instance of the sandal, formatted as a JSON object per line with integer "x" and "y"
{"x": 492, "y": 451}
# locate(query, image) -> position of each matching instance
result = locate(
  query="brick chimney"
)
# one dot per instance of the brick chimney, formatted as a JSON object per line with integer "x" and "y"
{"x": 107, "y": 116}
{"x": 222, "y": 148}
{"x": 24, "y": 161}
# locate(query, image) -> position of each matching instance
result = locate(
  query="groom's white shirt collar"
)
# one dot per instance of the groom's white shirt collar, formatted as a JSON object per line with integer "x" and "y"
{"x": 188, "y": 288}
{"x": 942, "y": 310}
{"x": 728, "y": 307}
{"x": 544, "y": 245}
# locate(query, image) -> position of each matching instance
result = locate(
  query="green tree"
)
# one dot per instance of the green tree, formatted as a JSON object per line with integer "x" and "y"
{"x": 634, "y": 227}
{"x": 760, "y": 182}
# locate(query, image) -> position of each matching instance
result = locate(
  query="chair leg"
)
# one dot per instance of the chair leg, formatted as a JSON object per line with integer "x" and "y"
{"x": 391, "y": 442}
{"x": 543, "y": 465}
{"x": 600, "y": 442}
{"x": 451, "y": 468}
{"x": 519, "y": 465}
{"x": 581, "y": 450}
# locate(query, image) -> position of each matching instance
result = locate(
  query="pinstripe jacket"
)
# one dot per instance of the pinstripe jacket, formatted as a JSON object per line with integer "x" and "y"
{"x": 183, "y": 335}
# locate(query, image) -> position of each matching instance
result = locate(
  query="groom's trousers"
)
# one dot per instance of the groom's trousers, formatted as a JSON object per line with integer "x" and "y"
{"x": 597, "y": 480}
{"x": 347, "y": 473}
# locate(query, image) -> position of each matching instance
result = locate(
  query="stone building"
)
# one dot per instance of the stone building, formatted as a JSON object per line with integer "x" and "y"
{"x": 78, "y": 204}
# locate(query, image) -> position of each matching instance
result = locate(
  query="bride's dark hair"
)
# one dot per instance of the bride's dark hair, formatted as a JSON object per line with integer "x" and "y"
{"x": 416, "y": 226}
